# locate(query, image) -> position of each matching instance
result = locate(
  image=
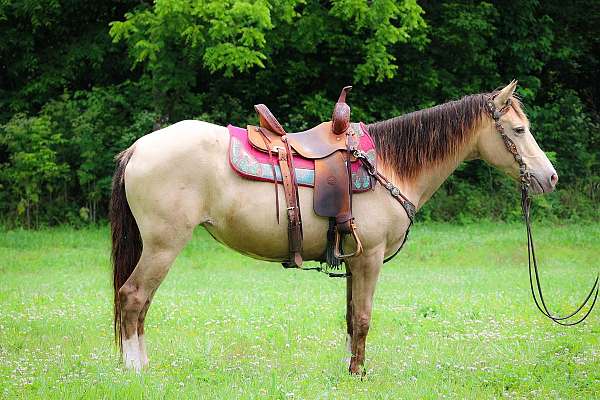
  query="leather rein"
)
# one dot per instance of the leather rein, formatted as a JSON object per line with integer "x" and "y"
{"x": 525, "y": 181}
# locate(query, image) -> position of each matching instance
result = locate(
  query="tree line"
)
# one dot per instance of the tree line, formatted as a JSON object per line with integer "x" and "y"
{"x": 80, "y": 81}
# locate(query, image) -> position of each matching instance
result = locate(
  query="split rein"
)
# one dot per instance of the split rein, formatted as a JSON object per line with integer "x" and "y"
{"x": 525, "y": 181}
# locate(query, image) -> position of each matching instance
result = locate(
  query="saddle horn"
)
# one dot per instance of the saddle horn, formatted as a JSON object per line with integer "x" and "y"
{"x": 341, "y": 113}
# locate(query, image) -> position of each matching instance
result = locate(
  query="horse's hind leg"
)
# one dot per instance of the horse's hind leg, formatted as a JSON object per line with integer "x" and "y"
{"x": 161, "y": 246}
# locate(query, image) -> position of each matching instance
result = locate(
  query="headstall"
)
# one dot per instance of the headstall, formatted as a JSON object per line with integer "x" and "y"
{"x": 525, "y": 181}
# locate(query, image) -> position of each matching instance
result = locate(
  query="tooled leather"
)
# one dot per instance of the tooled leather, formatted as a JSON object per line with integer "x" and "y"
{"x": 268, "y": 120}
{"x": 340, "y": 118}
{"x": 293, "y": 211}
{"x": 331, "y": 196}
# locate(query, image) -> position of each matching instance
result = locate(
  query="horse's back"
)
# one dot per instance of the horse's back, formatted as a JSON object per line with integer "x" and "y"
{"x": 178, "y": 142}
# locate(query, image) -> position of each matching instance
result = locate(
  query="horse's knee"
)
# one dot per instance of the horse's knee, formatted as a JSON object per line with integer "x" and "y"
{"x": 362, "y": 323}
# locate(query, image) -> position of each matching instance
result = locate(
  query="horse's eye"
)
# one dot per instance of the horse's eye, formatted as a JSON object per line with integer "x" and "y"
{"x": 520, "y": 130}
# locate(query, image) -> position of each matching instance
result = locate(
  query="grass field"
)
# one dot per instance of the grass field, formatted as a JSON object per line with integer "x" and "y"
{"x": 453, "y": 318}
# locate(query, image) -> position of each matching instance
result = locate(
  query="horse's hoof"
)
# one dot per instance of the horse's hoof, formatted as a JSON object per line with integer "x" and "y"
{"x": 357, "y": 370}
{"x": 134, "y": 366}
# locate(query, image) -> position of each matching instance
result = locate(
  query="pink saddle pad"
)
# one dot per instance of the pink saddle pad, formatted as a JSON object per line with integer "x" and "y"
{"x": 255, "y": 165}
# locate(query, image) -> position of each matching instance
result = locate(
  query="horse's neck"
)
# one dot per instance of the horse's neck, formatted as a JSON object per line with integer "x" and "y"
{"x": 420, "y": 189}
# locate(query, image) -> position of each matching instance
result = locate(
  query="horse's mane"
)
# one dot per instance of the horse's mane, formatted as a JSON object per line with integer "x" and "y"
{"x": 428, "y": 137}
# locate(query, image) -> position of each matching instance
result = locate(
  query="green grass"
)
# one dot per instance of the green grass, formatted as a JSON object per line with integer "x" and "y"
{"x": 452, "y": 318}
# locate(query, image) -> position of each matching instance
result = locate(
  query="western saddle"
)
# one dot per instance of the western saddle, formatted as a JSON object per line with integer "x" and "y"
{"x": 331, "y": 145}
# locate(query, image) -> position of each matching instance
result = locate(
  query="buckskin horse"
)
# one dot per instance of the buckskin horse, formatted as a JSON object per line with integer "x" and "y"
{"x": 172, "y": 180}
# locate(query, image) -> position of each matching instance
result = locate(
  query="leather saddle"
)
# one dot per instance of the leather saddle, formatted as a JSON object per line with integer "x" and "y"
{"x": 330, "y": 144}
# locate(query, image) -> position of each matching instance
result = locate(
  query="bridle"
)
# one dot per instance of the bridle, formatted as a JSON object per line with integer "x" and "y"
{"x": 525, "y": 181}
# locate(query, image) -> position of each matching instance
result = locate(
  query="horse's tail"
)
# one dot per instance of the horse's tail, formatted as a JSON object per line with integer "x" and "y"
{"x": 126, "y": 239}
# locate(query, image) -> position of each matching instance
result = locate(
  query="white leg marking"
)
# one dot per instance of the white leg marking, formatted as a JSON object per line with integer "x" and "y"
{"x": 349, "y": 344}
{"x": 131, "y": 353}
{"x": 348, "y": 358}
{"x": 143, "y": 353}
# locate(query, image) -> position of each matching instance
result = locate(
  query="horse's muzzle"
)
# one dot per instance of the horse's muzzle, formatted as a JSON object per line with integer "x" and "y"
{"x": 541, "y": 185}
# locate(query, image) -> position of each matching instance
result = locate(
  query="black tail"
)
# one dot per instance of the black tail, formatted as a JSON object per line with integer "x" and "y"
{"x": 126, "y": 239}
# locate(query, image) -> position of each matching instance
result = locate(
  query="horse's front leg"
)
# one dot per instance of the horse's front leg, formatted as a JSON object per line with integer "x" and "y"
{"x": 365, "y": 271}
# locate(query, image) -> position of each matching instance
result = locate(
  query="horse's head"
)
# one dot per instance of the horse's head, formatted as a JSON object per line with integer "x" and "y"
{"x": 515, "y": 124}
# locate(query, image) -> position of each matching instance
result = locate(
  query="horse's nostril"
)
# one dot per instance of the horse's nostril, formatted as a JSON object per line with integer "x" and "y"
{"x": 554, "y": 180}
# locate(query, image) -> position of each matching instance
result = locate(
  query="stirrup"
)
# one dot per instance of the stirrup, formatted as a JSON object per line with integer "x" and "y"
{"x": 336, "y": 248}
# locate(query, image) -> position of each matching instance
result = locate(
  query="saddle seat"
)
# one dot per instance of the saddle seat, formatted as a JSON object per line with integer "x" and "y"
{"x": 315, "y": 143}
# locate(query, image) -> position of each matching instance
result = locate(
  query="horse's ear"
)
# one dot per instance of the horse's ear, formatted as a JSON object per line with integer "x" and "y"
{"x": 505, "y": 94}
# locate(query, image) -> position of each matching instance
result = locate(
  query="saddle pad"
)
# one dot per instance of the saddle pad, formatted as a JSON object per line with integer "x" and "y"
{"x": 254, "y": 165}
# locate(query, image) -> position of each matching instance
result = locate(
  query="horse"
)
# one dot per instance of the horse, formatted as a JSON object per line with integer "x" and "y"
{"x": 174, "y": 179}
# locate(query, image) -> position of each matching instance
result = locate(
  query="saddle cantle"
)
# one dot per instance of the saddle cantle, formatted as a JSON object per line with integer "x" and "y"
{"x": 335, "y": 174}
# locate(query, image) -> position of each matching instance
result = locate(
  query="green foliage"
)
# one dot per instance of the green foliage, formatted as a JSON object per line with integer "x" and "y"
{"x": 379, "y": 19}
{"x": 87, "y": 79}
{"x": 69, "y": 146}
{"x": 48, "y": 46}
{"x": 563, "y": 124}
{"x": 33, "y": 171}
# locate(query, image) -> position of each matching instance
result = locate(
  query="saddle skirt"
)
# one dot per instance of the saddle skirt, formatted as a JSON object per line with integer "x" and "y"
{"x": 254, "y": 164}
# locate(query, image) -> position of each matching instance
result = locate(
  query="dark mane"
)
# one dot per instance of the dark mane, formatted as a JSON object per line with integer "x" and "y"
{"x": 409, "y": 142}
